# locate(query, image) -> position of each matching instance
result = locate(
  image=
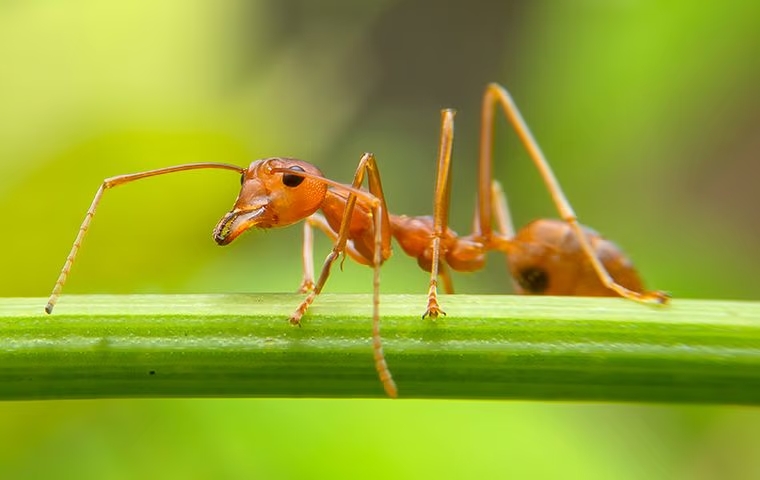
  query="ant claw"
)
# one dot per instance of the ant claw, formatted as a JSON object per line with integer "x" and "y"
{"x": 307, "y": 286}
{"x": 433, "y": 311}
{"x": 295, "y": 321}
{"x": 657, "y": 296}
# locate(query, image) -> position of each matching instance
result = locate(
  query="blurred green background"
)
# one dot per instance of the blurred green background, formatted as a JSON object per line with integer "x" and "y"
{"x": 649, "y": 112}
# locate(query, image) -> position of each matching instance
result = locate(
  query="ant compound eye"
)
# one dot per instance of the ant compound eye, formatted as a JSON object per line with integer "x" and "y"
{"x": 290, "y": 180}
{"x": 242, "y": 178}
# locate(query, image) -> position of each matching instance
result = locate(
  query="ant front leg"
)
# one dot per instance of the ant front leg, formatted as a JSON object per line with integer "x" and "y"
{"x": 370, "y": 245}
{"x": 372, "y": 201}
{"x": 282, "y": 191}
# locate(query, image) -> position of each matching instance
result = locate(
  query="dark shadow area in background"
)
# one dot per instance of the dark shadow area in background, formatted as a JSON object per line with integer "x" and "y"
{"x": 422, "y": 51}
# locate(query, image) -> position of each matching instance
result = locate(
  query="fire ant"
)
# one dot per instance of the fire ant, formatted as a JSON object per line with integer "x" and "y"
{"x": 551, "y": 257}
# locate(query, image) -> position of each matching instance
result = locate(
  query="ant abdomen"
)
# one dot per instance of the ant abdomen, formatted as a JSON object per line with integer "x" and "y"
{"x": 546, "y": 258}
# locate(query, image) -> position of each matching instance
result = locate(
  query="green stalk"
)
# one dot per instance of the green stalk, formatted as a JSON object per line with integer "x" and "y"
{"x": 498, "y": 347}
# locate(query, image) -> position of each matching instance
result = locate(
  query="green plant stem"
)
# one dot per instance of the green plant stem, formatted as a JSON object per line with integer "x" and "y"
{"x": 498, "y": 347}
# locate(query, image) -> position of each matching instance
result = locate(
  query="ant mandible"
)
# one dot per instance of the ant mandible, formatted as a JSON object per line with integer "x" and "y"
{"x": 546, "y": 257}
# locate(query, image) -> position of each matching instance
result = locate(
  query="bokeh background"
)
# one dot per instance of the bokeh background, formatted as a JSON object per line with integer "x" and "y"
{"x": 649, "y": 112}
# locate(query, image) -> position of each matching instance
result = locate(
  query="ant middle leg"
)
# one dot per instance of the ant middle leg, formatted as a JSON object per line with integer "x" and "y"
{"x": 441, "y": 214}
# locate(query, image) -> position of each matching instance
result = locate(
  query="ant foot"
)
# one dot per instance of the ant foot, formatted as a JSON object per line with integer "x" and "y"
{"x": 433, "y": 311}
{"x": 656, "y": 297}
{"x": 653, "y": 297}
{"x": 390, "y": 387}
{"x": 295, "y": 319}
{"x": 307, "y": 286}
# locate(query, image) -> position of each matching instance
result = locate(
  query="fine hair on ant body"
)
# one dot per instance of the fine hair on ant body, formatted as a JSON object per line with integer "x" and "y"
{"x": 551, "y": 257}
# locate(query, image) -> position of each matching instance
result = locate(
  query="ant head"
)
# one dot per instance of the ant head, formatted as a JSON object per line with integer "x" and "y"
{"x": 275, "y": 192}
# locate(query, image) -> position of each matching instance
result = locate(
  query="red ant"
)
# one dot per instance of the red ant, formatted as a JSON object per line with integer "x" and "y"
{"x": 551, "y": 257}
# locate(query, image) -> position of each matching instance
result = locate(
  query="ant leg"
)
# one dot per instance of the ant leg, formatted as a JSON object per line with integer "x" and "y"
{"x": 381, "y": 251}
{"x": 107, "y": 184}
{"x": 440, "y": 210}
{"x": 307, "y": 281}
{"x": 502, "y": 214}
{"x": 318, "y": 221}
{"x": 338, "y": 248}
{"x": 382, "y": 238}
{"x": 445, "y": 274}
{"x": 504, "y": 224}
{"x": 367, "y": 166}
{"x": 381, "y": 366}
{"x": 497, "y": 94}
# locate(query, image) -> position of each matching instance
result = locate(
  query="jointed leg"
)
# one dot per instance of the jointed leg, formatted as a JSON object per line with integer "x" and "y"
{"x": 319, "y": 221}
{"x": 441, "y": 210}
{"x": 504, "y": 223}
{"x": 307, "y": 254}
{"x": 502, "y": 215}
{"x": 380, "y": 213}
{"x": 445, "y": 275}
{"x": 382, "y": 236}
{"x": 367, "y": 166}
